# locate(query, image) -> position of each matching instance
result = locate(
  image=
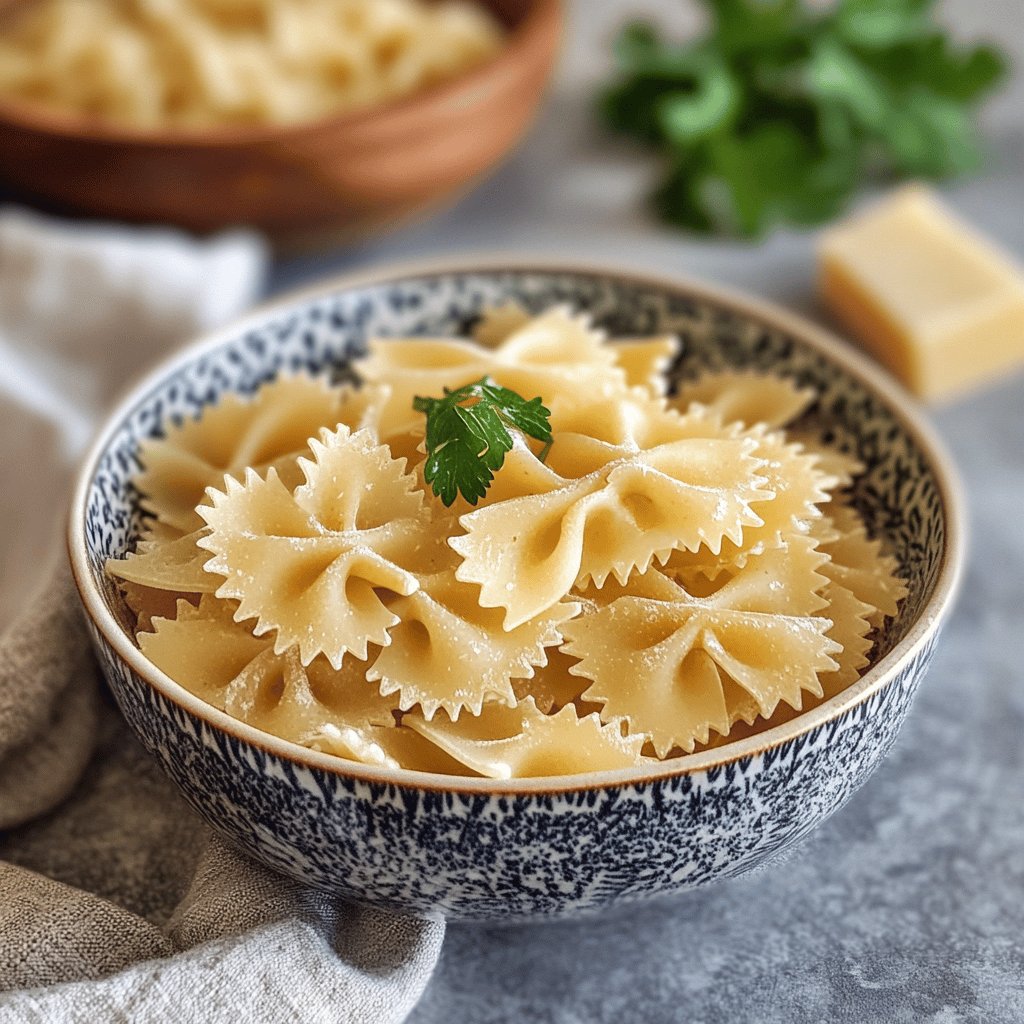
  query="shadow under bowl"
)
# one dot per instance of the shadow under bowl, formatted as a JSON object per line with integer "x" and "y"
{"x": 344, "y": 177}
{"x": 529, "y": 848}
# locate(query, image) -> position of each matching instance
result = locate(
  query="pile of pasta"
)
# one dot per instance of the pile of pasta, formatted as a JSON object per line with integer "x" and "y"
{"x": 152, "y": 64}
{"x": 678, "y": 569}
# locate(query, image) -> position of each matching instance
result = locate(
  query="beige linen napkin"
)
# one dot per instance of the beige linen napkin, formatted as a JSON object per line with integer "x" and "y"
{"x": 116, "y": 903}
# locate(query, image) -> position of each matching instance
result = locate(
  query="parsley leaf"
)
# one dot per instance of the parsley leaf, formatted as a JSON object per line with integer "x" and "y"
{"x": 468, "y": 436}
{"x": 783, "y": 108}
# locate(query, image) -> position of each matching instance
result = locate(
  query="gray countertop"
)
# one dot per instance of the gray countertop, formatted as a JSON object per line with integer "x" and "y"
{"x": 909, "y": 904}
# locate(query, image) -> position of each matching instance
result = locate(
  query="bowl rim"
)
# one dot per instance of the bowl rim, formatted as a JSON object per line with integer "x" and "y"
{"x": 542, "y": 20}
{"x": 899, "y": 403}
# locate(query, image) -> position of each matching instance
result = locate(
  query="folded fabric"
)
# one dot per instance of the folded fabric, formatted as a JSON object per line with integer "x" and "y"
{"x": 118, "y": 902}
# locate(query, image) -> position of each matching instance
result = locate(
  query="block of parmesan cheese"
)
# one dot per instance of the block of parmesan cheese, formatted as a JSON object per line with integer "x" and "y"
{"x": 930, "y": 298}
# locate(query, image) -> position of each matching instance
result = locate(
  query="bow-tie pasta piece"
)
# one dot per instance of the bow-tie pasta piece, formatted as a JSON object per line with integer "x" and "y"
{"x": 597, "y": 426}
{"x": 306, "y": 703}
{"x": 559, "y": 340}
{"x": 315, "y": 565}
{"x": 850, "y": 628}
{"x": 202, "y": 647}
{"x": 749, "y": 397}
{"x": 223, "y": 663}
{"x": 550, "y": 354}
{"x": 361, "y": 408}
{"x": 527, "y": 553}
{"x": 412, "y": 367}
{"x": 859, "y": 564}
{"x": 625, "y": 420}
{"x": 786, "y": 580}
{"x": 176, "y": 566}
{"x": 644, "y": 361}
{"x": 796, "y": 484}
{"x": 449, "y": 652}
{"x": 164, "y": 566}
{"x": 504, "y": 742}
{"x": 238, "y": 433}
{"x": 673, "y": 664}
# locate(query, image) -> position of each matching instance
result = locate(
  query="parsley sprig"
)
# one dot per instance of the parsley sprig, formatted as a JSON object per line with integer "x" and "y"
{"x": 468, "y": 436}
{"x": 782, "y": 109}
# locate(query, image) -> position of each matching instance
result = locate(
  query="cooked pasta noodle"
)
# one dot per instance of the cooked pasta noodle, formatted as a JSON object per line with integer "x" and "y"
{"x": 313, "y": 565}
{"x": 504, "y": 741}
{"x": 679, "y": 572}
{"x": 747, "y": 397}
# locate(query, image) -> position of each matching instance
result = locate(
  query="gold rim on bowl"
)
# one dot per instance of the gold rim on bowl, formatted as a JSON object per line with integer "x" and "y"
{"x": 856, "y": 365}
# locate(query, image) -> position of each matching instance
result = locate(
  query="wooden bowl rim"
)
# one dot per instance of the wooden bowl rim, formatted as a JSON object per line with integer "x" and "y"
{"x": 539, "y": 27}
{"x": 871, "y": 376}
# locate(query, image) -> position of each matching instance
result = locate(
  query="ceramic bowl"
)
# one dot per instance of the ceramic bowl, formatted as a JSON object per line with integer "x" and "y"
{"x": 343, "y": 177}
{"x": 484, "y": 849}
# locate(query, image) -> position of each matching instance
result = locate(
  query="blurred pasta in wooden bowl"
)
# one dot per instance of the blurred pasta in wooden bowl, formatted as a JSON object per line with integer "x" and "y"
{"x": 300, "y": 117}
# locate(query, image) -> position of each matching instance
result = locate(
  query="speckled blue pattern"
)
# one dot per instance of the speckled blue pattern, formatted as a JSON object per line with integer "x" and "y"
{"x": 488, "y": 855}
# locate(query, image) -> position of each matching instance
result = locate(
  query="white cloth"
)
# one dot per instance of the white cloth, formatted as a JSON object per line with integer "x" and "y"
{"x": 83, "y": 310}
{"x": 117, "y": 904}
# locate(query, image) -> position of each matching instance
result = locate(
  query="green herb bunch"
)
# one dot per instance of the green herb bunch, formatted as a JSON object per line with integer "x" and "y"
{"x": 778, "y": 112}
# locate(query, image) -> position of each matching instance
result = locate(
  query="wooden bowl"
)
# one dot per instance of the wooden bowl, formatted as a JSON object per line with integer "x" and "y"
{"x": 346, "y": 175}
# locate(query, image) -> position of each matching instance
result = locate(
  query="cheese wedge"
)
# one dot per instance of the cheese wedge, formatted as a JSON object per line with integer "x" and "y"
{"x": 935, "y": 302}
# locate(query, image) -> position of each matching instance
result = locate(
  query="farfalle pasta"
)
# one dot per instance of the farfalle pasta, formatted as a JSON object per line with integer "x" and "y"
{"x": 675, "y": 664}
{"x": 314, "y": 565}
{"x": 449, "y": 651}
{"x": 271, "y": 429}
{"x": 504, "y": 741}
{"x": 747, "y": 397}
{"x": 229, "y": 667}
{"x": 526, "y": 553}
{"x": 668, "y": 572}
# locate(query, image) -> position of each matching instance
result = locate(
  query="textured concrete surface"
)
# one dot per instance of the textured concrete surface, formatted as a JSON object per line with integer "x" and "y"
{"x": 908, "y": 906}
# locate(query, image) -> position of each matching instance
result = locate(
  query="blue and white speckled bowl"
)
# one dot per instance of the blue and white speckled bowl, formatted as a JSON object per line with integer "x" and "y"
{"x": 477, "y": 848}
